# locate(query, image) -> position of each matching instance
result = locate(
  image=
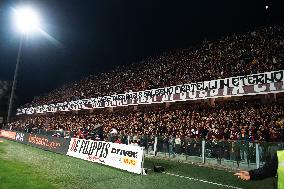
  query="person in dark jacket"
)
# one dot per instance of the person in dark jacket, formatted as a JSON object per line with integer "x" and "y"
{"x": 269, "y": 169}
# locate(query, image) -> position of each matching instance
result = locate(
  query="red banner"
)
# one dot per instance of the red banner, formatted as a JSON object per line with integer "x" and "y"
{"x": 8, "y": 134}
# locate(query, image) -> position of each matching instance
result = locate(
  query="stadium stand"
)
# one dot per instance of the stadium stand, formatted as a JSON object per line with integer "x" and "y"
{"x": 252, "y": 52}
{"x": 222, "y": 122}
{"x": 250, "y": 119}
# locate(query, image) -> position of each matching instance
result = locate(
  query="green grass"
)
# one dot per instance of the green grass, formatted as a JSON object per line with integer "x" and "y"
{"x": 22, "y": 167}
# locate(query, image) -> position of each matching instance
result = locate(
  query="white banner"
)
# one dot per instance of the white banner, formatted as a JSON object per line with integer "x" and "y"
{"x": 121, "y": 156}
{"x": 261, "y": 83}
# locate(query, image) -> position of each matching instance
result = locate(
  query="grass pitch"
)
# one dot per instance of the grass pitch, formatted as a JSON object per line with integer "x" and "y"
{"x": 26, "y": 167}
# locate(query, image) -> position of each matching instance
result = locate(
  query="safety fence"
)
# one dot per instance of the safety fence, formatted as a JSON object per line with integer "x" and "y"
{"x": 233, "y": 154}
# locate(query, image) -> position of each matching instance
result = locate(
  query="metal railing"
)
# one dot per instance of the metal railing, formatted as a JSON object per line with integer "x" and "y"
{"x": 234, "y": 154}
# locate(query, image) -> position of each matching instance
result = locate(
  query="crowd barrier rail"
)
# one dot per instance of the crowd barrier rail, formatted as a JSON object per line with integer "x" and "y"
{"x": 129, "y": 155}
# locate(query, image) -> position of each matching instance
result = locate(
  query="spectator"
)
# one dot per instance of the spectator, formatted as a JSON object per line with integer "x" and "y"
{"x": 249, "y": 121}
{"x": 252, "y": 52}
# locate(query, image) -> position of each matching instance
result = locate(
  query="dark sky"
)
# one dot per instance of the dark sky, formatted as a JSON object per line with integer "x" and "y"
{"x": 97, "y": 35}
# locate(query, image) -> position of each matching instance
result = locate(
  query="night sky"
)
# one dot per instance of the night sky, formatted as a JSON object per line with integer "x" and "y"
{"x": 96, "y": 36}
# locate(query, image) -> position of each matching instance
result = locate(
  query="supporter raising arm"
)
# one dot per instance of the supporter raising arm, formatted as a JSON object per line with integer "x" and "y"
{"x": 270, "y": 169}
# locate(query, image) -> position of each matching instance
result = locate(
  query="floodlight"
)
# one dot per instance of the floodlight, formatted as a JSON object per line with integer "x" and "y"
{"x": 26, "y": 19}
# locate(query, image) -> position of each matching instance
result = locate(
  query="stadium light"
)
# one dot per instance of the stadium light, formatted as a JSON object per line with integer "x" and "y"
{"x": 26, "y": 21}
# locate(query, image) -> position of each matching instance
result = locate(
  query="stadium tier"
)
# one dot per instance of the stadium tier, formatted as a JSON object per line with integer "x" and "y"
{"x": 226, "y": 120}
{"x": 256, "y": 51}
{"x": 252, "y": 118}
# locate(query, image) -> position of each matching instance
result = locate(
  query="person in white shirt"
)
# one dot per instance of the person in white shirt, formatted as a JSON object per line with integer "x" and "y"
{"x": 134, "y": 143}
{"x": 177, "y": 144}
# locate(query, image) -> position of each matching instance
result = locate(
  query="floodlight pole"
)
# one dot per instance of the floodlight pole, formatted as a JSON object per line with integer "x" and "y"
{"x": 15, "y": 79}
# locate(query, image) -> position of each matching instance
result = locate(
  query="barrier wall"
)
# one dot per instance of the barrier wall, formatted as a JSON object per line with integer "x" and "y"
{"x": 58, "y": 145}
{"x": 233, "y": 154}
{"x": 121, "y": 156}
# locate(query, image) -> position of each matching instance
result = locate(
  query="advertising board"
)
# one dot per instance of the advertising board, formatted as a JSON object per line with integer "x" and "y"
{"x": 121, "y": 156}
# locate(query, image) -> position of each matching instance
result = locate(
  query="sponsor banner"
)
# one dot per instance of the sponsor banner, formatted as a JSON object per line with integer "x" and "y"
{"x": 262, "y": 83}
{"x": 58, "y": 145}
{"x": 8, "y": 134}
{"x": 21, "y": 137}
{"x": 121, "y": 156}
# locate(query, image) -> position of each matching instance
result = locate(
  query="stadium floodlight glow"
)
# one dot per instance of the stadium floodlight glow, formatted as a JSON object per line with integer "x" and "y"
{"x": 26, "y": 19}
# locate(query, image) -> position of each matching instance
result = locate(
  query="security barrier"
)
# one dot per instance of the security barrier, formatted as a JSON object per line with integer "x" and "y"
{"x": 233, "y": 154}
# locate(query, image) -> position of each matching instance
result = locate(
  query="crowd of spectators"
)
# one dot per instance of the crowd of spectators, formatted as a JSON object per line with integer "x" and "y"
{"x": 231, "y": 120}
{"x": 246, "y": 121}
{"x": 240, "y": 54}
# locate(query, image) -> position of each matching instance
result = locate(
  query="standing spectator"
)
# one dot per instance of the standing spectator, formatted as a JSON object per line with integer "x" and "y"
{"x": 118, "y": 140}
{"x": 243, "y": 144}
{"x": 177, "y": 144}
{"x": 165, "y": 144}
{"x": 171, "y": 145}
